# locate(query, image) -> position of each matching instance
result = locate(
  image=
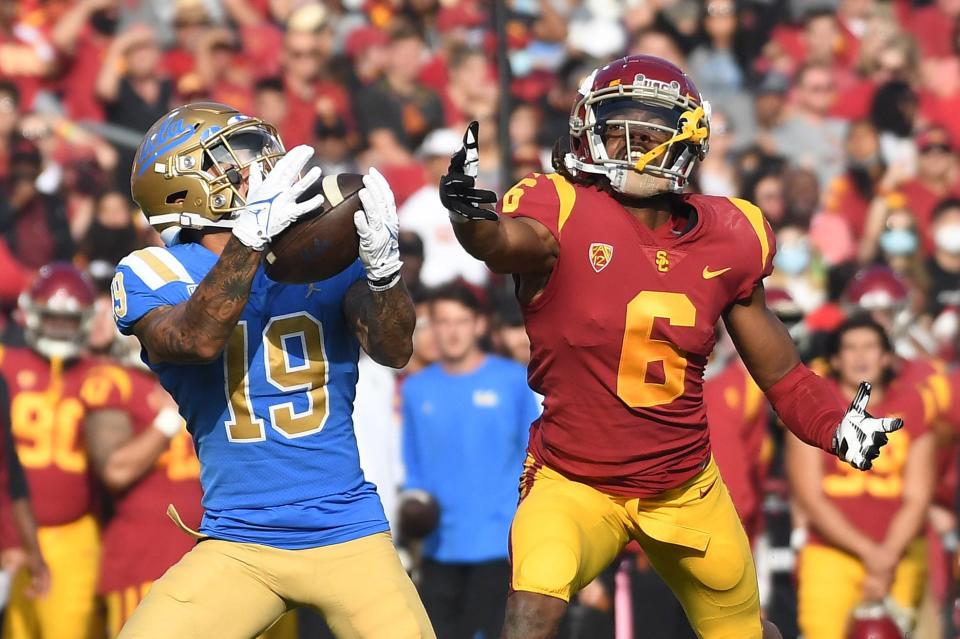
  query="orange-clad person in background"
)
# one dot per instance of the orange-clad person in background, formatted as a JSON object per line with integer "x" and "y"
{"x": 144, "y": 456}
{"x": 865, "y": 529}
{"x": 46, "y": 383}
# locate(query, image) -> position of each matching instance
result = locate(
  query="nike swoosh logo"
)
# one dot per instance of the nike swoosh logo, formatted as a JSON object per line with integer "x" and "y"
{"x": 709, "y": 275}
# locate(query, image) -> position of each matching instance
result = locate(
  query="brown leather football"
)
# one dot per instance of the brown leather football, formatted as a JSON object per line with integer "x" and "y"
{"x": 323, "y": 242}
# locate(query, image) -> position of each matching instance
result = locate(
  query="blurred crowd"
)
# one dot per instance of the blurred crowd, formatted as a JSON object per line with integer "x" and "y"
{"x": 838, "y": 118}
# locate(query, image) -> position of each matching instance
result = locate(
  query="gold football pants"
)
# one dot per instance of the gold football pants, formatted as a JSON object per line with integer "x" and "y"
{"x": 232, "y": 590}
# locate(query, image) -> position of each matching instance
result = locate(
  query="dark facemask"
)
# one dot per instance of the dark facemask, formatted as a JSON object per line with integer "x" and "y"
{"x": 104, "y": 21}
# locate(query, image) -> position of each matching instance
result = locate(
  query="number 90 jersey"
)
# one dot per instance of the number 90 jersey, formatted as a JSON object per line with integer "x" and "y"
{"x": 621, "y": 333}
{"x": 271, "y": 417}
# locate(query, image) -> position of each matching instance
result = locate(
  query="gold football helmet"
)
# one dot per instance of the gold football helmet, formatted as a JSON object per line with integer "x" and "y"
{"x": 191, "y": 164}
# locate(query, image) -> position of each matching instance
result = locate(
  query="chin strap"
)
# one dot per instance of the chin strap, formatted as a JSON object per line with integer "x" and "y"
{"x": 690, "y": 130}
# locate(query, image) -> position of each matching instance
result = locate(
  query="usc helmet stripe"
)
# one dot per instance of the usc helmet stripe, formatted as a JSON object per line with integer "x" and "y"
{"x": 755, "y": 217}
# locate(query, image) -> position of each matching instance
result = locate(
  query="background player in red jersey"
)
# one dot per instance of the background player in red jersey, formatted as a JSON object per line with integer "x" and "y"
{"x": 866, "y": 530}
{"x": 47, "y": 381}
{"x": 622, "y": 279}
{"x": 144, "y": 456}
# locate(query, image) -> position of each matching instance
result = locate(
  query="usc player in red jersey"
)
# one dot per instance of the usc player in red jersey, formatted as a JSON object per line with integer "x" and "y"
{"x": 47, "y": 381}
{"x": 866, "y": 530}
{"x": 621, "y": 278}
{"x": 144, "y": 456}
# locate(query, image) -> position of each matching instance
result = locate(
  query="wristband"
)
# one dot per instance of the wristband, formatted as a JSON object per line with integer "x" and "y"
{"x": 168, "y": 422}
{"x": 385, "y": 284}
{"x": 808, "y": 406}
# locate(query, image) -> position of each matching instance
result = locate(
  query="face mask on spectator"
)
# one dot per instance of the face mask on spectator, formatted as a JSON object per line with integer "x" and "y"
{"x": 947, "y": 238}
{"x": 898, "y": 242}
{"x": 792, "y": 259}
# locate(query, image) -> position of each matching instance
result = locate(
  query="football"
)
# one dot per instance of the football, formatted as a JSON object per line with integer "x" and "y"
{"x": 323, "y": 242}
{"x": 418, "y": 514}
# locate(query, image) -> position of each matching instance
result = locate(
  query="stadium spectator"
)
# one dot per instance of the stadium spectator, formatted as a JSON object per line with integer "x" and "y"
{"x": 9, "y": 117}
{"x": 810, "y": 137}
{"x": 938, "y": 177}
{"x": 398, "y": 104}
{"x": 444, "y": 259}
{"x": 944, "y": 265}
{"x": 311, "y": 90}
{"x": 34, "y": 224}
{"x": 465, "y": 423}
{"x": 111, "y": 235}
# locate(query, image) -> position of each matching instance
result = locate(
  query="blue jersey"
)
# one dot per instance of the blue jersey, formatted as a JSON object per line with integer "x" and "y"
{"x": 464, "y": 442}
{"x": 271, "y": 417}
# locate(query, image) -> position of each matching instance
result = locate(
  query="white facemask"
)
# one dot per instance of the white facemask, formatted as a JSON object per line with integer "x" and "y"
{"x": 635, "y": 184}
{"x": 947, "y": 238}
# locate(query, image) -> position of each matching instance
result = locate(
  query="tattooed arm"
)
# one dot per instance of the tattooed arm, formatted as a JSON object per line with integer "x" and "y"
{"x": 383, "y": 322}
{"x": 196, "y": 330}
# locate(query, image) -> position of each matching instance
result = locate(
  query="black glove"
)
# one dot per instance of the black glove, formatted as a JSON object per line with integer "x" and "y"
{"x": 458, "y": 191}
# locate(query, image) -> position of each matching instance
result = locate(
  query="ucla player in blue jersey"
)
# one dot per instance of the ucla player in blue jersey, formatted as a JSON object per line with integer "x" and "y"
{"x": 265, "y": 375}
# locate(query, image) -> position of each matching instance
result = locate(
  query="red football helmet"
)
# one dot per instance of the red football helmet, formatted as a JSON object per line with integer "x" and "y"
{"x": 58, "y": 310}
{"x": 873, "y": 621}
{"x": 876, "y": 288}
{"x": 655, "y": 108}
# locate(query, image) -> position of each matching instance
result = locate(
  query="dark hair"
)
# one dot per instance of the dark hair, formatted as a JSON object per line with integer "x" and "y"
{"x": 854, "y": 323}
{"x": 948, "y": 204}
{"x": 269, "y": 84}
{"x": 560, "y": 148}
{"x": 459, "y": 54}
{"x": 458, "y": 292}
{"x": 888, "y": 112}
{"x": 12, "y": 90}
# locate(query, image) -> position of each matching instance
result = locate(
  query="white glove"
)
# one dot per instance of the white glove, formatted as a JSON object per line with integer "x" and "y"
{"x": 859, "y": 437}
{"x": 168, "y": 422}
{"x": 377, "y": 227}
{"x": 272, "y": 201}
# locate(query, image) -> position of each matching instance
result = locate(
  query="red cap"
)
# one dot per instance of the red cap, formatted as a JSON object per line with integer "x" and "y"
{"x": 934, "y": 136}
{"x": 461, "y": 15}
{"x": 362, "y": 38}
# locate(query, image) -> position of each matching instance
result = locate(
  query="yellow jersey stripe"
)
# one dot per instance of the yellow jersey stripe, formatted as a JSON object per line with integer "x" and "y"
{"x": 755, "y": 217}
{"x": 940, "y": 388}
{"x": 567, "y": 195}
{"x": 156, "y": 265}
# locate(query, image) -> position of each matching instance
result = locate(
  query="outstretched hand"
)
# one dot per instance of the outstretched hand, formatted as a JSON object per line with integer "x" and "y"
{"x": 458, "y": 191}
{"x": 859, "y": 437}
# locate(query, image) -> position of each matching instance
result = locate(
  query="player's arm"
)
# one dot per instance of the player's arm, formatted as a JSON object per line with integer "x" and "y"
{"x": 198, "y": 329}
{"x": 119, "y": 457}
{"x": 918, "y": 485}
{"x": 803, "y": 400}
{"x": 379, "y": 308}
{"x": 506, "y": 245}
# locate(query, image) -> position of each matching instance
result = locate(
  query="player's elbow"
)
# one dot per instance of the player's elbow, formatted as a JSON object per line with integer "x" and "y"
{"x": 397, "y": 357}
{"x": 116, "y": 479}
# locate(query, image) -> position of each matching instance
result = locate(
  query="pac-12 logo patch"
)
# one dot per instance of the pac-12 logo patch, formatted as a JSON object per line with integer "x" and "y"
{"x": 600, "y": 256}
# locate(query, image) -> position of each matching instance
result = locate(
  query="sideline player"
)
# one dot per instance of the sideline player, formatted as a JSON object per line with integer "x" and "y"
{"x": 140, "y": 451}
{"x": 866, "y": 529}
{"x": 264, "y": 374}
{"x": 47, "y": 381}
{"x": 622, "y": 278}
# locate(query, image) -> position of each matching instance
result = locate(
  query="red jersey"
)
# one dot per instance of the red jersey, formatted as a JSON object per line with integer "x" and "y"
{"x": 869, "y": 500}
{"x": 621, "y": 333}
{"x": 737, "y": 412}
{"x": 46, "y": 414}
{"x": 140, "y": 542}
